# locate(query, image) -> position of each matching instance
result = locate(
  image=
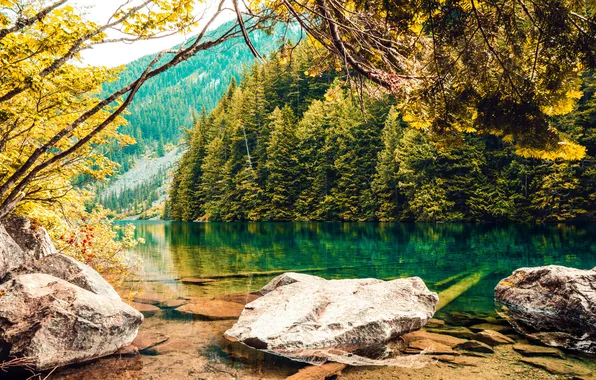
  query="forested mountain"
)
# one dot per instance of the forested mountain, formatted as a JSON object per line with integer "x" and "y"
{"x": 167, "y": 104}
{"x": 164, "y": 105}
{"x": 289, "y": 145}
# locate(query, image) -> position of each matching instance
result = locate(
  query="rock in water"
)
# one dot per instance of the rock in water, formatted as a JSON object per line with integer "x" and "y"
{"x": 553, "y": 304}
{"x": 58, "y": 323}
{"x": 309, "y": 319}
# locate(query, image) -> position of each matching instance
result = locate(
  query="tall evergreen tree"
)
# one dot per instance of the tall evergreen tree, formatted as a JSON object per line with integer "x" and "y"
{"x": 314, "y": 163}
{"x": 385, "y": 182}
{"x": 282, "y": 165}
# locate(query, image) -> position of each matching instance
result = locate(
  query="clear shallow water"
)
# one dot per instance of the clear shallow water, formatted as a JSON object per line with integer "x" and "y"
{"x": 441, "y": 254}
{"x": 450, "y": 258}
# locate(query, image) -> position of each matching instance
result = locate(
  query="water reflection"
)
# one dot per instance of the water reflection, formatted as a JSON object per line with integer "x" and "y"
{"x": 434, "y": 252}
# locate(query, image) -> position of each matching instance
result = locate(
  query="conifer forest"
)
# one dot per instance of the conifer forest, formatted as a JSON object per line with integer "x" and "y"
{"x": 291, "y": 141}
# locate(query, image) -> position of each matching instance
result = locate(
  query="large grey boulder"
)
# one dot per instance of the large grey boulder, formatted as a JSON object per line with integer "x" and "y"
{"x": 57, "y": 323}
{"x": 33, "y": 239}
{"x": 11, "y": 255}
{"x": 553, "y": 304}
{"x": 72, "y": 271}
{"x": 21, "y": 243}
{"x": 310, "y": 319}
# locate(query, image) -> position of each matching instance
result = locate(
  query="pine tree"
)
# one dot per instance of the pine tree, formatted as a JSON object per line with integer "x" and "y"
{"x": 252, "y": 197}
{"x": 425, "y": 193}
{"x": 314, "y": 165}
{"x": 385, "y": 183}
{"x": 214, "y": 183}
{"x": 282, "y": 165}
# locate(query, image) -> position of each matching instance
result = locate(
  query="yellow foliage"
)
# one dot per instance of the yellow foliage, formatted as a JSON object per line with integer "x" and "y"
{"x": 415, "y": 121}
{"x": 566, "y": 150}
{"x": 43, "y": 120}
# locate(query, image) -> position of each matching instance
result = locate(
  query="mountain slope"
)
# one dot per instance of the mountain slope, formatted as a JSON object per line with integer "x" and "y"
{"x": 165, "y": 105}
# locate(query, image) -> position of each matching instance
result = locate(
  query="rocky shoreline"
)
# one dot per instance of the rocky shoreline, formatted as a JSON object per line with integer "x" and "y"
{"x": 56, "y": 312}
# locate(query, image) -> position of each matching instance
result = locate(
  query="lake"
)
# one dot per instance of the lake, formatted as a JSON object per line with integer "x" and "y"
{"x": 433, "y": 252}
{"x": 461, "y": 262}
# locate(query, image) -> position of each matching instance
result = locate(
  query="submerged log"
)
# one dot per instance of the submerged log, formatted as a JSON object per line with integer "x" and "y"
{"x": 456, "y": 290}
{"x": 455, "y": 277}
{"x": 196, "y": 280}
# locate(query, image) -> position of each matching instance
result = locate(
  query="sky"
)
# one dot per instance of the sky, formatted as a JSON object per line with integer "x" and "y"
{"x": 115, "y": 54}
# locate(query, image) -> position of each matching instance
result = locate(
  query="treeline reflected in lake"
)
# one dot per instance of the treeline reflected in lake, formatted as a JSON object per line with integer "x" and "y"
{"x": 438, "y": 253}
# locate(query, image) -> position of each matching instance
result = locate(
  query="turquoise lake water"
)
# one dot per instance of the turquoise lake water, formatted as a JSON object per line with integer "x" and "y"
{"x": 473, "y": 257}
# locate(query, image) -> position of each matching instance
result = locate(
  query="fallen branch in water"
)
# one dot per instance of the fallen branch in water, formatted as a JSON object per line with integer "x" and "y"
{"x": 457, "y": 289}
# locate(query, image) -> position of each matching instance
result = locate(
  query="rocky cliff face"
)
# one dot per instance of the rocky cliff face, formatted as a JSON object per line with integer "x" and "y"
{"x": 55, "y": 310}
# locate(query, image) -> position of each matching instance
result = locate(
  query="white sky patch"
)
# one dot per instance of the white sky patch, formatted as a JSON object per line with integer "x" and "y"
{"x": 119, "y": 53}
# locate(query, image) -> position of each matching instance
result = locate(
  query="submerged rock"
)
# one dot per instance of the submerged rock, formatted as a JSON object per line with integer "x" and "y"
{"x": 553, "y": 304}
{"x": 457, "y": 331}
{"x": 324, "y": 371}
{"x": 531, "y": 350}
{"x": 433, "y": 322}
{"x": 172, "y": 345}
{"x": 490, "y": 326}
{"x": 150, "y": 298}
{"x": 557, "y": 366}
{"x": 56, "y": 323}
{"x": 465, "y": 361}
{"x": 447, "y": 340}
{"x": 310, "y": 319}
{"x": 172, "y": 304}
{"x": 431, "y": 347}
{"x": 492, "y": 338}
{"x": 210, "y": 310}
{"x": 241, "y": 298}
{"x": 145, "y": 309}
{"x": 475, "y": 346}
{"x": 147, "y": 339}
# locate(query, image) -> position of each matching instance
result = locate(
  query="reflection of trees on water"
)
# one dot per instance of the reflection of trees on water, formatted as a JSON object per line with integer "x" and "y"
{"x": 431, "y": 251}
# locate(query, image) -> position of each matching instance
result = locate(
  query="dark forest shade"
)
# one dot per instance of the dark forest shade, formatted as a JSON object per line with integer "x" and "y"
{"x": 284, "y": 145}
